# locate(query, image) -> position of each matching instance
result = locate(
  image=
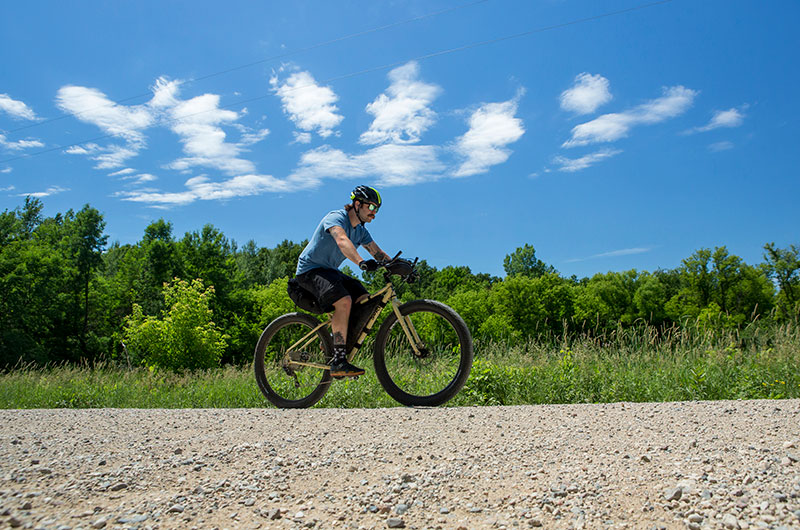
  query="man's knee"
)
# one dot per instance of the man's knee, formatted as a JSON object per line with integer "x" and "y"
{"x": 343, "y": 304}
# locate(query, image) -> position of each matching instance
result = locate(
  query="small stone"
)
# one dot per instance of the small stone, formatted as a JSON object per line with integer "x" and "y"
{"x": 780, "y": 497}
{"x": 13, "y": 522}
{"x": 673, "y": 494}
{"x": 444, "y": 510}
{"x": 400, "y": 509}
{"x": 695, "y": 518}
{"x": 730, "y": 521}
{"x": 27, "y": 505}
{"x": 178, "y": 451}
{"x": 175, "y": 508}
{"x": 118, "y": 486}
{"x": 645, "y": 458}
{"x": 395, "y": 522}
{"x": 274, "y": 514}
{"x": 249, "y": 502}
{"x": 535, "y": 522}
{"x": 100, "y": 523}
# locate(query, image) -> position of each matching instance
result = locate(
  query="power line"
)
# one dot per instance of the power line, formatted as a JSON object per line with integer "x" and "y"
{"x": 381, "y": 67}
{"x": 268, "y": 59}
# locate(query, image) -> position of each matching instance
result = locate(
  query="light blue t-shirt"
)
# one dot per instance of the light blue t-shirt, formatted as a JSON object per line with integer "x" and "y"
{"x": 322, "y": 250}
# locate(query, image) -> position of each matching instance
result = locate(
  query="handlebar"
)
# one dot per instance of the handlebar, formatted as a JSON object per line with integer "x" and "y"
{"x": 401, "y": 267}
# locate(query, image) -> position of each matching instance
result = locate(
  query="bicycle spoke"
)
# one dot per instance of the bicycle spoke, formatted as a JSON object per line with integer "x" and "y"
{"x": 288, "y": 361}
{"x": 433, "y": 365}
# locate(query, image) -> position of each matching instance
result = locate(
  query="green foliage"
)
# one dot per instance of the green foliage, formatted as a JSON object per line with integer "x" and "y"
{"x": 638, "y": 364}
{"x": 183, "y": 337}
{"x": 523, "y": 262}
{"x": 783, "y": 267}
{"x": 66, "y": 295}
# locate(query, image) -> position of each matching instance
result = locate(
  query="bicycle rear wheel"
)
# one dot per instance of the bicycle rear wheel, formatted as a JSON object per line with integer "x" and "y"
{"x": 439, "y": 367}
{"x": 285, "y": 343}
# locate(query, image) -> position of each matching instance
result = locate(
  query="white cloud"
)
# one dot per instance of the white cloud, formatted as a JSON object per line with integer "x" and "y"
{"x": 612, "y": 127}
{"x": 723, "y": 118}
{"x": 250, "y": 136}
{"x": 586, "y": 94}
{"x": 107, "y": 157}
{"x": 198, "y": 123}
{"x": 402, "y": 113}
{"x": 403, "y": 165}
{"x": 570, "y": 165}
{"x": 310, "y": 106}
{"x": 491, "y": 128}
{"x": 720, "y": 146}
{"x": 16, "y": 109}
{"x": 5, "y": 170}
{"x": 121, "y": 172}
{"x": 7, "y": 188}
{"x": 89, "y": 105}
{"x": 52, "y": 190}
{"x": 614, "y": 253}
{"x": 391, "y": 165}
{"x": 19, "y": 145}
{"x": 140, "y": 178}
{"x": 201, "y": 188}
{"x": 302, "y": 138}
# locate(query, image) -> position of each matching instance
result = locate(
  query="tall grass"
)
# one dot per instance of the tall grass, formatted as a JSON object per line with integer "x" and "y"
{"x": 639, "y": 363}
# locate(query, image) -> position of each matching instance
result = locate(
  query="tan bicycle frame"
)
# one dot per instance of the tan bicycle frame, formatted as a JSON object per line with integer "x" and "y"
{"x": 388, "y": 295}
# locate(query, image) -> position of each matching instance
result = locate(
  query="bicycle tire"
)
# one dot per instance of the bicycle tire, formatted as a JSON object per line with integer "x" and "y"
{"x": 292, "y": 387}
{"x": 443, "y": 366}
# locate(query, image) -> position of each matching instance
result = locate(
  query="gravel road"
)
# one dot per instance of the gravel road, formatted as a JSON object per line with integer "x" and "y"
{"x": 697, "y": 465}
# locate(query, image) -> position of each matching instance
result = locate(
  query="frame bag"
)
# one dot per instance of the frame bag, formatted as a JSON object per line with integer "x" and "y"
{"x": 302, "y": 297}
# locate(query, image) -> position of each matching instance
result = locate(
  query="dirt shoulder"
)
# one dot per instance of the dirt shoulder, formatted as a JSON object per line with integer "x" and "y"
{"x": 665, "y": 465}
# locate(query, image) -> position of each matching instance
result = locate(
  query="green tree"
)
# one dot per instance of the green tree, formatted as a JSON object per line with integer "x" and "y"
{"x": 607, "y": 299}
{"x": 523, "y": 262}
{"x": 535, "y": 306}
{"x": 85, "y": 242}
{"x": 783, "y": 267}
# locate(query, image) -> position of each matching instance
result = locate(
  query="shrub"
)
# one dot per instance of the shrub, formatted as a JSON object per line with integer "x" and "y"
{"x": 184, "y": 336}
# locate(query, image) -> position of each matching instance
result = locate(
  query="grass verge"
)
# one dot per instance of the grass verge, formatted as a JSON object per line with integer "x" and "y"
{"x": 633, "y": 364}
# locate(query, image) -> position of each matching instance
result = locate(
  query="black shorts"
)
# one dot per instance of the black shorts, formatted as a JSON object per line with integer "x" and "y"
{"x": 329, "y": 285}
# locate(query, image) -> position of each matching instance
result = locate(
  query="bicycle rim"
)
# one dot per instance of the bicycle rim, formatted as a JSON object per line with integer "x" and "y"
{"x": 285, "y": 383}
{"x": 437, "y": 369}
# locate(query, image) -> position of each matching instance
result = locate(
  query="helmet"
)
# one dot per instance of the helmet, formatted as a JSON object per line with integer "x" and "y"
{"x": 366, "y": 194}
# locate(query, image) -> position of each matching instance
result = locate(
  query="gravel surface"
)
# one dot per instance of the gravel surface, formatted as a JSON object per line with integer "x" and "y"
{"x": 725, "y": 464}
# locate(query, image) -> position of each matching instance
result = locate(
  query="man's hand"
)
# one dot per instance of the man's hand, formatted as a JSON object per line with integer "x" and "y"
{"x": 368, "y": 265}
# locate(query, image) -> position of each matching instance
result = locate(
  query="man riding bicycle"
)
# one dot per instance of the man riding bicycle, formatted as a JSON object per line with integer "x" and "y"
{"x": 335, "y": 239}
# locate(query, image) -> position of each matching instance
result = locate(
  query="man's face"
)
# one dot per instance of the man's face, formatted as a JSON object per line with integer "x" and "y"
{"x": 367, "y": 211}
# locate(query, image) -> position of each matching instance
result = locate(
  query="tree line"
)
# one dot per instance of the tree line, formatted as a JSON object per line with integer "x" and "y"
{"x": 69, "y": 296}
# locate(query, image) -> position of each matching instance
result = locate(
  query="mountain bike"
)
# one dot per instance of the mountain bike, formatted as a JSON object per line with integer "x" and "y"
{"x": 422, "y": 353}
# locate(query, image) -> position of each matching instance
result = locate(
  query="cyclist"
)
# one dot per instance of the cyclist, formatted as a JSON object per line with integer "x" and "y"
{"x": 335, "y": 239}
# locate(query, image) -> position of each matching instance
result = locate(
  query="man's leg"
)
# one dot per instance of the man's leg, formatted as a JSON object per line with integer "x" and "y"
{"x": 341, "y": 315}
{"x": 339, "y": 320}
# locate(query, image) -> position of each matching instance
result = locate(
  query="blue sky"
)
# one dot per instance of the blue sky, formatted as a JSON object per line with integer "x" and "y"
{"x": 607, "y": 137}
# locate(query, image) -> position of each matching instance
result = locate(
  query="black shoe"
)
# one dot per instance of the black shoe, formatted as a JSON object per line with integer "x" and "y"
{"x": 342, "y": 368}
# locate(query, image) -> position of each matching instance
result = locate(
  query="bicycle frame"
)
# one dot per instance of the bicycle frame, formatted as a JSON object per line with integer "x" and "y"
{"x": 388, "y": 296}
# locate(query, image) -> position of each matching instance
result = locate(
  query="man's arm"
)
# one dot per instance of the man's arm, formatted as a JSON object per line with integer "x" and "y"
{"x": 376, "y": 251}
{"x": 345, "y": 245}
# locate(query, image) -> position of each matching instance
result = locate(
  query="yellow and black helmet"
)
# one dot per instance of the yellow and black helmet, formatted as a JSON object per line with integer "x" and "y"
{"x": 366, "y": 194}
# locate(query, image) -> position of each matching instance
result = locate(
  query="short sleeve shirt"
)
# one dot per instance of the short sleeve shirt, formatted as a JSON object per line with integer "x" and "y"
{"x": 322, "y": 250}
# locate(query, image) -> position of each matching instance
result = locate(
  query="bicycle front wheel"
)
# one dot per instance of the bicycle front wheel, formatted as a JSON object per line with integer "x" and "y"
{"x": 425, "y": 359}
{"x": 289, "y": 358}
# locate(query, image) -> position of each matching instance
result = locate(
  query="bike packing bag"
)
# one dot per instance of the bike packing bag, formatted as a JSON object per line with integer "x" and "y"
{"x": 302, "y": 297}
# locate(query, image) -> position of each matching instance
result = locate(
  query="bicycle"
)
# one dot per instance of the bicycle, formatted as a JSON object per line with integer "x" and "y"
{"x": 422, "y": 353}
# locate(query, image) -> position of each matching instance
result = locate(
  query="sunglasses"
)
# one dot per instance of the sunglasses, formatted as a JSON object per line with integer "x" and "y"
{"x": 372, "y": 206}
